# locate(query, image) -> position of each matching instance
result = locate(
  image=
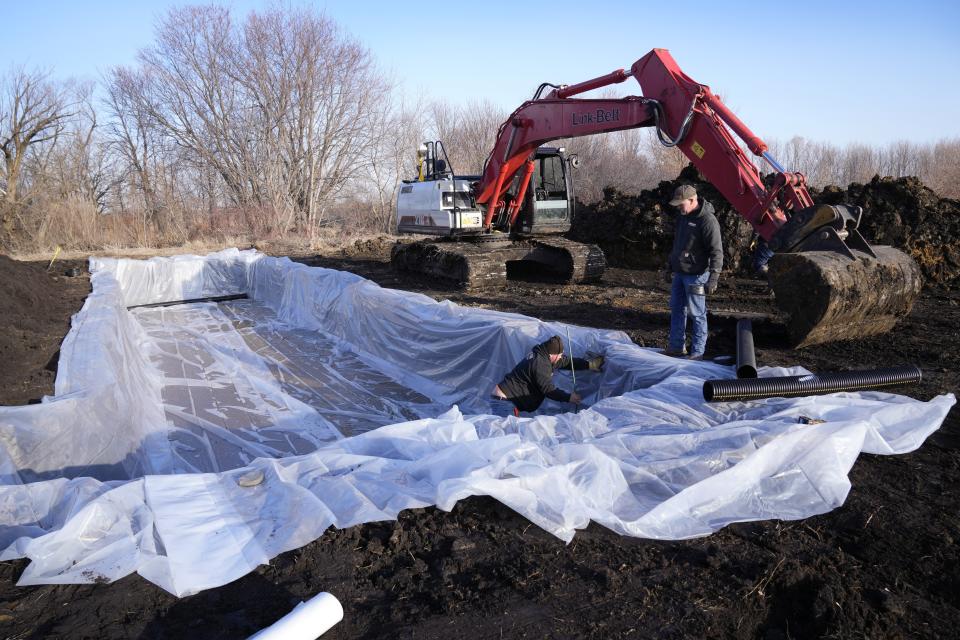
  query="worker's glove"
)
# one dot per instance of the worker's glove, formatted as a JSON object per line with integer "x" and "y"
{"x": 668, "y": 276}
{"x": 596, "y": 364}
{"x": 711, "y": 286}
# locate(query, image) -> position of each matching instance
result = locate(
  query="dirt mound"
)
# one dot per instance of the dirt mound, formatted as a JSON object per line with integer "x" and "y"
{"x": 369, "y": 247}
{"x": 906, "y": 214}
{"x": 636, "y": 232}
{"x": 34, "y": 303}
{"x": 23, "y": 285}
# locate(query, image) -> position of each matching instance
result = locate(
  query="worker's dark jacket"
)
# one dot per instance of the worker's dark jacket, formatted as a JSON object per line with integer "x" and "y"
{"x": 532, "y": 379}
{"x": 696, "y": 243}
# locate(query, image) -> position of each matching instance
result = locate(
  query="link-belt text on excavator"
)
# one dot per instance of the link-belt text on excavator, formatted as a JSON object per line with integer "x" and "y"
{"x": 600, "y": 115}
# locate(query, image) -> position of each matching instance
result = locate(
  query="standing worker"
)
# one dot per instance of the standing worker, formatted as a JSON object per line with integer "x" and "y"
{"x": 695, "y": 264}
{"x": 532, "y": 379}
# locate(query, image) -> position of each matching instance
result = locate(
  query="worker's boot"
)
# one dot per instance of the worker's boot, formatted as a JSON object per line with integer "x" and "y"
{"x": 674, "y": 353}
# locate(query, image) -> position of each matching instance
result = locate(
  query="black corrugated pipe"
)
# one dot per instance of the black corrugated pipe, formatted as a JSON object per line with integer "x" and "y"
{"x": 171, "y": 303}
{"x": 746, "y": 358}
{"x": 810, "y": 385}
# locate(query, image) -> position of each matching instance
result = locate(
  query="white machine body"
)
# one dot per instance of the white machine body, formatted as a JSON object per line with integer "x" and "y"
{"x": 427, "y": 207}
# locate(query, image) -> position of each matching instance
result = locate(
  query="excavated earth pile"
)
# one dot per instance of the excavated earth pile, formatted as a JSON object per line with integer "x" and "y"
{"x": 637, "y": 231}
{"x": 906, "y": 214}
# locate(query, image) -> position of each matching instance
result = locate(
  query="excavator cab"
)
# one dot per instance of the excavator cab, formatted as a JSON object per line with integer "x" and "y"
{"x": 439, "y": 202}
{"x": 474, "y": 255}
{"x": 548, "y": 205}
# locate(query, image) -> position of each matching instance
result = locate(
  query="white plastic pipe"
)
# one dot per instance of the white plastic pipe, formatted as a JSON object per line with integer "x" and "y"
{"x": 308, "y": 620}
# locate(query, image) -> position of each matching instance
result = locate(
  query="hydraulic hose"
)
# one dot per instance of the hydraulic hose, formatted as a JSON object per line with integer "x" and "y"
{"x": 746, "y": 357}
{"x": 810, "y": 385}
{"x": 544, "y": 85}
{"x": 659, "y": 115}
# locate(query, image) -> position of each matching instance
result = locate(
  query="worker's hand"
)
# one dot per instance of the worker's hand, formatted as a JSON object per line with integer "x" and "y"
{"x": 711, "y": 286}
{"x": 596, "y": 364}
{"x": 667, "y": 276}
{"x": 575, "y": 398}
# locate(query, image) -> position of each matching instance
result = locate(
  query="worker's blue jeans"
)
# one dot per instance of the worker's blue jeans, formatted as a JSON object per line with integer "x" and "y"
{"x": 684, "y": 304}
{"x": 761, "y": 255}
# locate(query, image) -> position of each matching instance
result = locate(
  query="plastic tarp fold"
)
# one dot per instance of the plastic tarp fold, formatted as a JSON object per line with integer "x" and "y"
{"x": 356, "y": 402}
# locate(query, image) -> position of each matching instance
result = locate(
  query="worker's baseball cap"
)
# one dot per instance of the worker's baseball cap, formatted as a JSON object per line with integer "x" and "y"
{"x": 683, "y": 192}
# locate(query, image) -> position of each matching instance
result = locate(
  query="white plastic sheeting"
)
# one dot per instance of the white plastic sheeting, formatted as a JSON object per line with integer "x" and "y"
{"x": 133, "y": 465}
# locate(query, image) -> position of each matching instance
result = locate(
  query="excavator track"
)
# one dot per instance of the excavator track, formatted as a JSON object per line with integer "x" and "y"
{"x": 483, "y": 264}
{"x": 829, "y": 297}
{"x": 586, "y": 261}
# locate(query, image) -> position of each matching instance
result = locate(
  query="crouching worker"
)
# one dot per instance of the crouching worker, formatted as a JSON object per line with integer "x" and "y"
{"x": 532, "y": 379}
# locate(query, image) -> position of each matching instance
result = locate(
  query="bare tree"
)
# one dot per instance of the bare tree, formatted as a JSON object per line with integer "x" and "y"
{"x": 33, "y": 111}
{"x": 399, "y": 132}
{"x": 468, "y": 132}
{"x": 83, "y": 166}
{"x": 479, "y": 121}
{"x": 279, "y": 107}
{"x": 943, "y": 169}
{"x": 134, "y": 136}
{"x": 859, "y": 162}
{"x": 829, "y": 169}
{"x": 187, "y": 91}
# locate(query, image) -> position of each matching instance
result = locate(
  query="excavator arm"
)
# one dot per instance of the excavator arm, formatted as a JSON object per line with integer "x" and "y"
{"x": 783, "y": 214}
{"x": 827, "y": 278}
{"x": 673, "y": 103}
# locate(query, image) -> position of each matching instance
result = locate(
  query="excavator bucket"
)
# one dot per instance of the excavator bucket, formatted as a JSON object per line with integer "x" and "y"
{"x": 829, "y": 296}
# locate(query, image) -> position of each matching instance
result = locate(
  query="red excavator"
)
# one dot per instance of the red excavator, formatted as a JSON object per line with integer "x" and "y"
{"x": 832, "y": 284}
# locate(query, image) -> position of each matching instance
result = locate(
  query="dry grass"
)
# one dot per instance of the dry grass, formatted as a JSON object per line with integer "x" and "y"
{"x": 79, "y": 229}
{"x": 330, "y": 241}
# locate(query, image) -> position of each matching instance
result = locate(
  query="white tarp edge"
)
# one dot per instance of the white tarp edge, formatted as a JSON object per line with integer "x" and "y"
{"x": 95, "y": 486}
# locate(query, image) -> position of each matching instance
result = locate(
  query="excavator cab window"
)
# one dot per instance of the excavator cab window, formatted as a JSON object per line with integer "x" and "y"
{"x": 549, "y": 187}
{"x": 549, "y": 179}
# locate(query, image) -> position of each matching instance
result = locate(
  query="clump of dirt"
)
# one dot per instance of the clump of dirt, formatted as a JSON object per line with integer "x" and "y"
{"x": 369, "y": 247}
{"x": 904, "y": 213}
{"x": 636, "y": 232}
{"x": 35, "y": 302}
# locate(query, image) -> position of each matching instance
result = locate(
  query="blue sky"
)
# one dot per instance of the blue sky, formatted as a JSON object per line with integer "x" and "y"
{"x": 871, "y": 72}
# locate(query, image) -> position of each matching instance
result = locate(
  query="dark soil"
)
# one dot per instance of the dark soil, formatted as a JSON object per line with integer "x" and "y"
{"x": 35, "y": 309}
{"x": 884, "y": 565}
